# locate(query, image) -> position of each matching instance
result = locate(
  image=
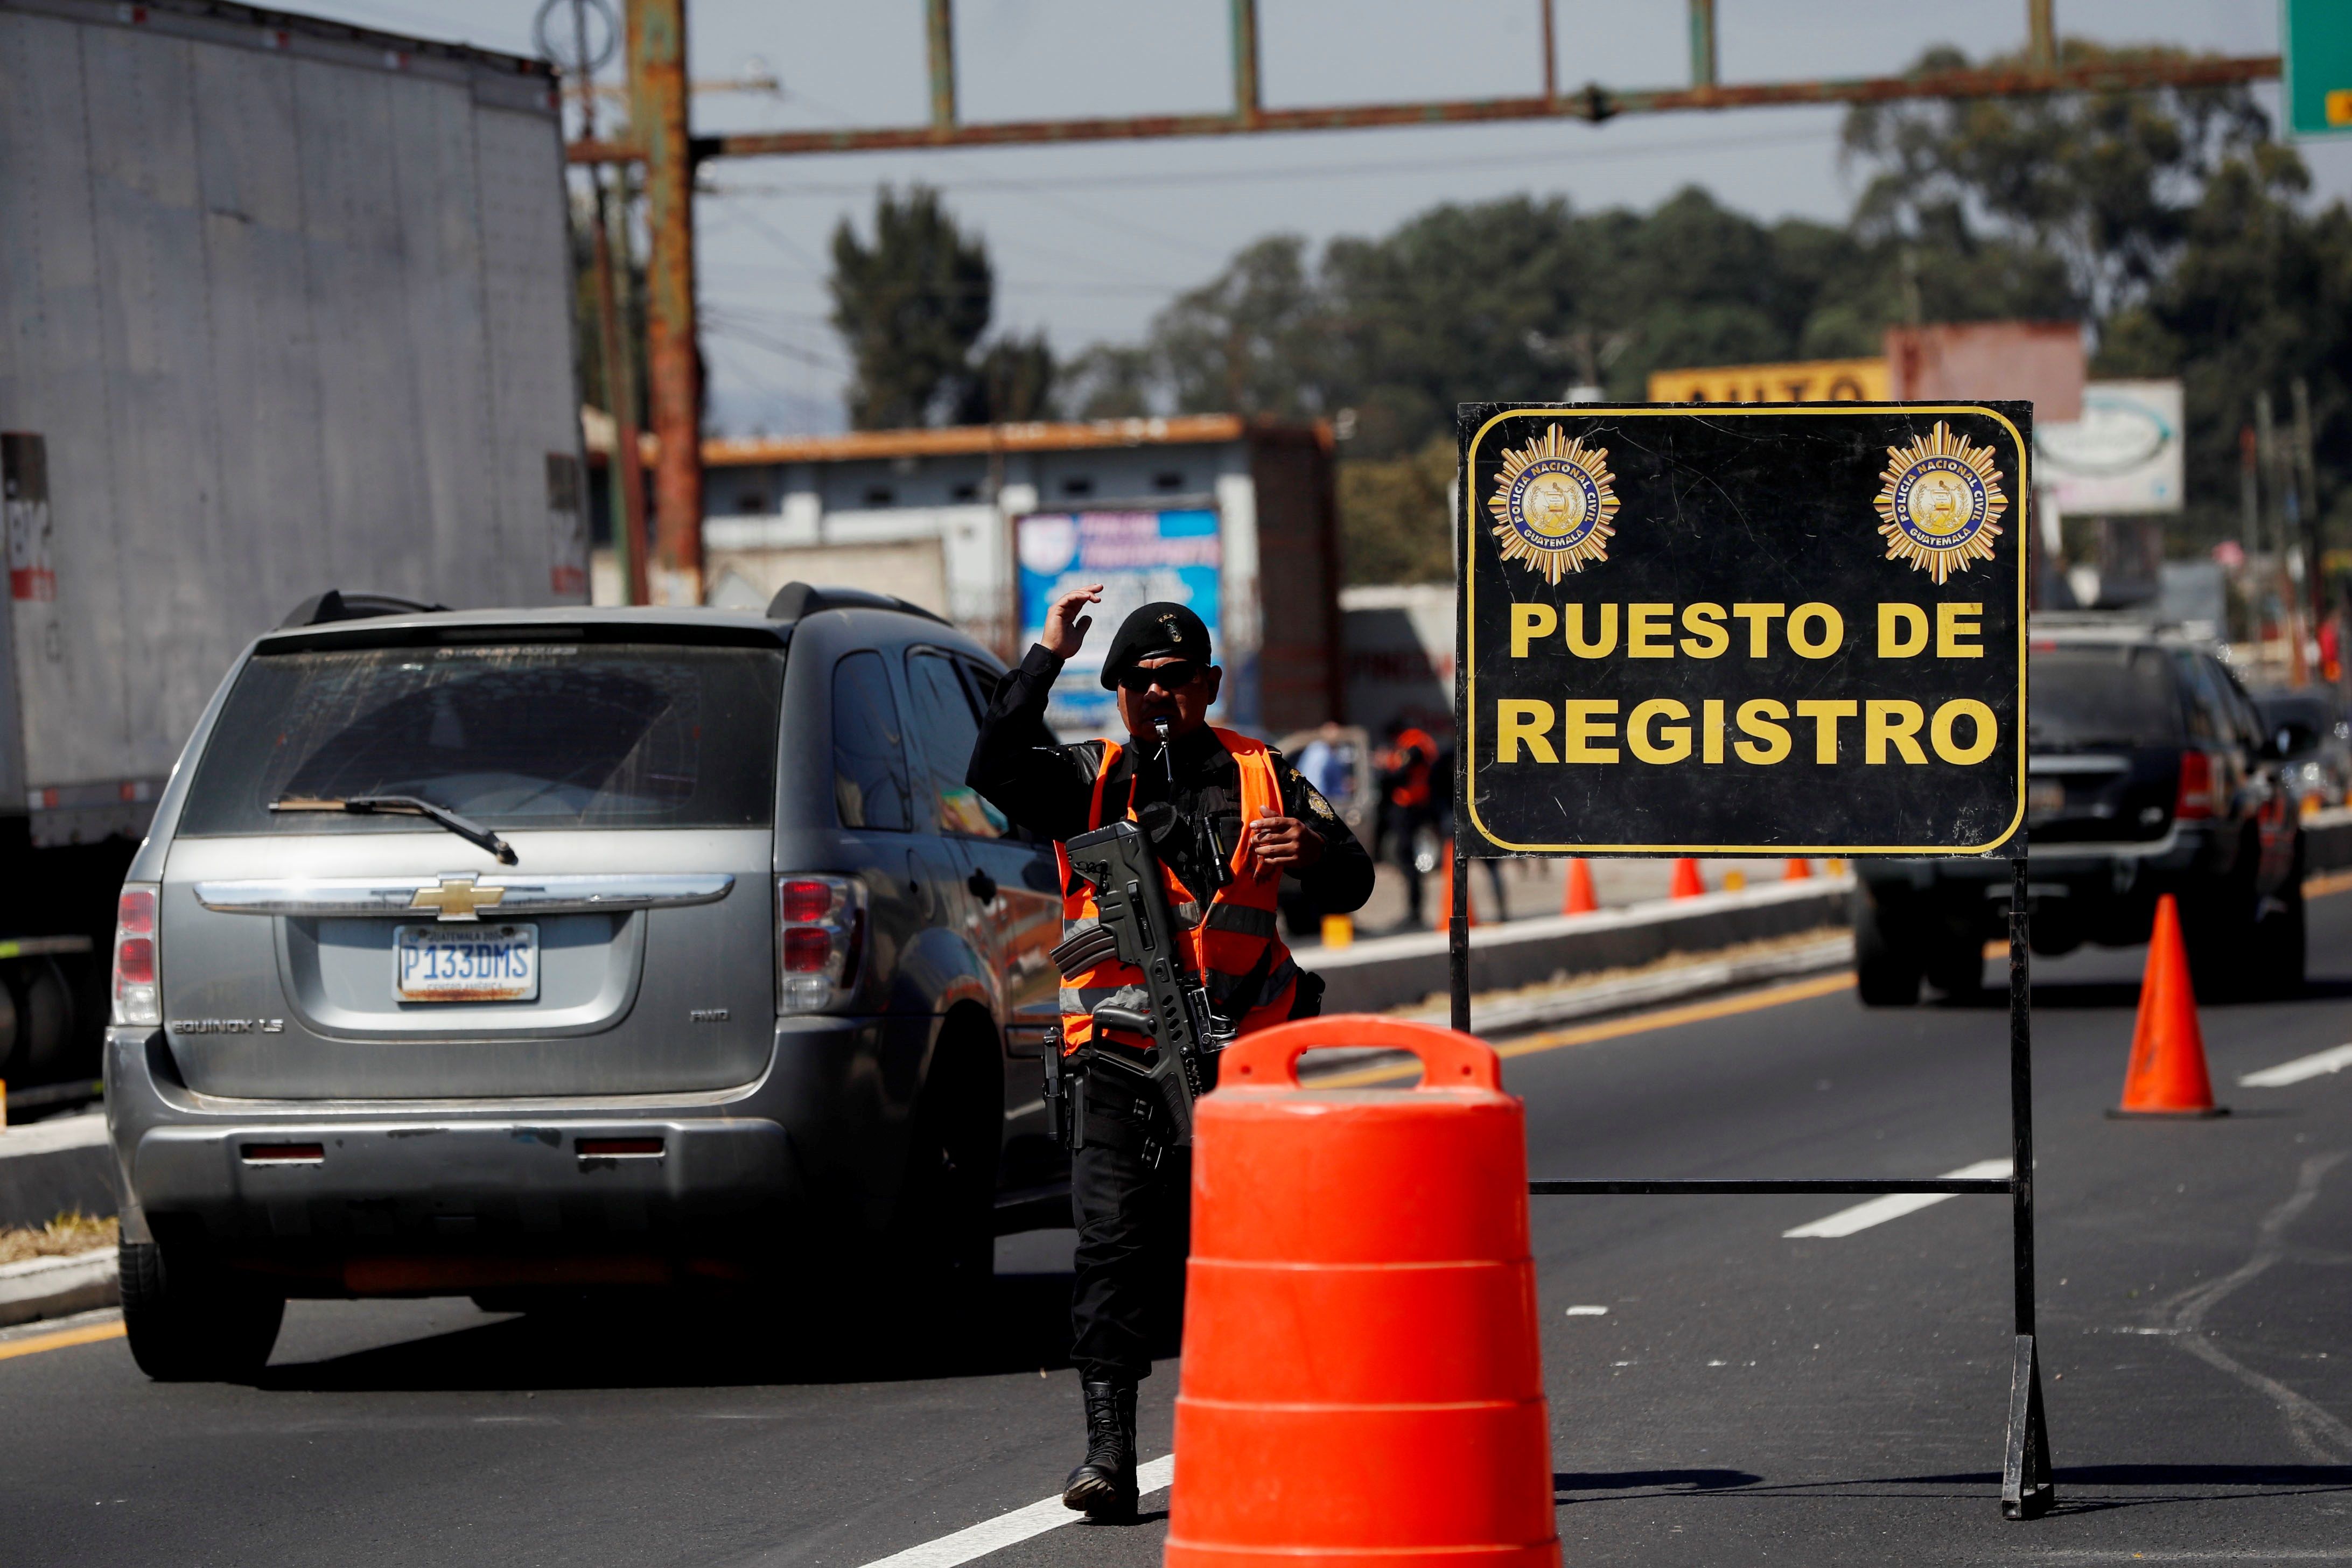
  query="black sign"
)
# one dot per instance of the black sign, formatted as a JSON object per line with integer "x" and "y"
{"x": 1776, "y": 630}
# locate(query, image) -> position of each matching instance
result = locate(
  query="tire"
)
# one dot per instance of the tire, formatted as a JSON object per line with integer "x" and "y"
{"x": 2218, "y": 925}
{"x": 1955, "y": 965}
{"x": 1886, "y": 968}
{"x": 191, "y": 1323}
{"x": 2281, "y": 942}
{"x": 943, "y": 1237}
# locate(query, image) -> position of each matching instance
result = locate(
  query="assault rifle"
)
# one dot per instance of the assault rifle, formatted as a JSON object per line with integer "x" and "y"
{"x": 1172, "y": 1010}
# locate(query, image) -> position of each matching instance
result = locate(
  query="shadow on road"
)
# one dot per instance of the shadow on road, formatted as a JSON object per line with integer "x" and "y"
{"x": 1641, "y": 1480}
{"x": 625, "y": 1341}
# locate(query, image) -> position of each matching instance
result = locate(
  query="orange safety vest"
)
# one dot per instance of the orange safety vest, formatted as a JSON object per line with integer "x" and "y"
{"x": 1233, "y": 943}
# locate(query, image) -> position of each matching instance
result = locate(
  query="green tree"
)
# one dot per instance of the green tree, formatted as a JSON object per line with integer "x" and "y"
{"x": 2169, "y": 220}
{"x": 2102, "y": 182}
{"x": 1393, "y": 516}
{"x": 910, "y": 306}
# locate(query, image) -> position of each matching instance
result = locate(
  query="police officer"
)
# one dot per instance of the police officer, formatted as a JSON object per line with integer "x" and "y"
{"x": 1228, "y": 819}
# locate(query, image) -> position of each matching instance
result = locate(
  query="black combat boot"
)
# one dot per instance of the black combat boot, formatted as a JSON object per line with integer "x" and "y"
{"x": 1103, "y": 1486}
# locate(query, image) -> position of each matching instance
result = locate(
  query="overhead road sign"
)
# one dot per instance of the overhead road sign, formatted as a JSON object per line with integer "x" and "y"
{"x": 1750, "y": 631}
{"x": 2316, "y": 44}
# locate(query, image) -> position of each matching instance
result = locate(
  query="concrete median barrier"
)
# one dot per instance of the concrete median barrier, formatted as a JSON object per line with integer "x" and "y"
{"x": 1385, "y": 972}
{"x": 60, "y": 1166}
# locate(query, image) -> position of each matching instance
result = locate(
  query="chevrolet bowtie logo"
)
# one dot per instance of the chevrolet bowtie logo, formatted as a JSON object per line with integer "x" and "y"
{"x": 457, "y": 899}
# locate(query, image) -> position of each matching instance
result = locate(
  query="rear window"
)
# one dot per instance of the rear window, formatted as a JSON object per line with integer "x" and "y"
{"x": 529, "y": 736}
{"x": 2103, "y": 697}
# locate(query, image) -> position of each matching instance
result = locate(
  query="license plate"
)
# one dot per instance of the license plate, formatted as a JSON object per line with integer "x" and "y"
{"x": 465, "y": 964}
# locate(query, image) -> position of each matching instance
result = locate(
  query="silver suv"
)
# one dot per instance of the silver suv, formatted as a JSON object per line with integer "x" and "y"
{"x": 505, "y": 953}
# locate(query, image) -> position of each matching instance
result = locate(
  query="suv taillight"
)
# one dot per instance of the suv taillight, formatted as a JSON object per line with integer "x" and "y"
{"x": 820, "y": 928}
{"x": 136, "y": 998}
{"x": 2195, "y": 800}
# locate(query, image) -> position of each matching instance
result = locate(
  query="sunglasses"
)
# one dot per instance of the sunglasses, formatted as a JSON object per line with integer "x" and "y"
{"x": 1167, "y": 676}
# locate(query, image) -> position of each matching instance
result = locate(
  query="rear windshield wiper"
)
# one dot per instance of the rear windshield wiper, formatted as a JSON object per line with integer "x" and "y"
{"x": 472, "y": 832}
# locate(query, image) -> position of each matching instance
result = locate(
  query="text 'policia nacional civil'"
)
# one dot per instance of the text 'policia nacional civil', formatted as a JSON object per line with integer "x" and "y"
{"x": 1781, "y": 622}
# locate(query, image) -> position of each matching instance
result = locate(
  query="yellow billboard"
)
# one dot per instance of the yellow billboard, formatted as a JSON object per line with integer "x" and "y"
{"x": 1806, "y": 381}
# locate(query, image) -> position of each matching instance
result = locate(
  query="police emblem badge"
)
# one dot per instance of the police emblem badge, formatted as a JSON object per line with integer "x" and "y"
{"x": 1940, "y": 503}
{"x": 1553, "y": 506}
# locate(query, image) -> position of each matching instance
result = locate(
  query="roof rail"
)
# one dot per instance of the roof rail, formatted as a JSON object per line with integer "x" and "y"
{"x": 795, "y": 601}
{"x": 334, "y": 604}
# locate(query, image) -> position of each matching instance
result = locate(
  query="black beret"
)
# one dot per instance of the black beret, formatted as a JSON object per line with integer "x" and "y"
{"x": 1161, "y": 629}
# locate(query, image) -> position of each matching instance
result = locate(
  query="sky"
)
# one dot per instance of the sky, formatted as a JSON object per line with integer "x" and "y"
{"x": 1089, "y": 241}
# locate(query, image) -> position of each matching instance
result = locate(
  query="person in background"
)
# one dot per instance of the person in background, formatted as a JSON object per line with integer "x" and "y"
{"x": 1408, "y": 803}
{"x": 1327, "y": 763}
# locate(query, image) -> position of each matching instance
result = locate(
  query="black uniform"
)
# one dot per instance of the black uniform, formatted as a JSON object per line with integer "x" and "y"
{"x": 1131, "y": 1211}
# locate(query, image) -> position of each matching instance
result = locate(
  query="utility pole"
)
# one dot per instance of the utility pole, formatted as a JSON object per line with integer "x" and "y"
{"x": 625, "y": 478}
{"x": 2250, "y": 528}
{"x": 658, "y": 123}
{"x": 2282, "y": 516}
{"x": 2306, "y": 471}
{"x": 1702, "y": 45}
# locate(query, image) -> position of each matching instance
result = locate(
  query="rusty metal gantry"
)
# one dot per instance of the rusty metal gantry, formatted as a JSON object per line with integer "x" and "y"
{"x": 660, "y": 140}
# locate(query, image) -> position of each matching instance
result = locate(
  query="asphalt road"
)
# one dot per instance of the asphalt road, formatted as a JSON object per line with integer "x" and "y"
{"x": 1744, "y": 1397}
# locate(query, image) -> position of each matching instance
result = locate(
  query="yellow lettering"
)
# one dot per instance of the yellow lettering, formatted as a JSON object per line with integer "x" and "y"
{"x": 1902, "y": 631}
{"x": 1893, "y": 721}
{"x": 1645, "y": 624}
{"x": 1518, "y": 719}
{"x": 1825, "y": 711}
{"x": 1708, "y": 638}
{"x": 1833, "y": 625}
{"x": 1954, "y": 622}
{"x": 1530, "y": 623}
{"x": 1710, "y": 730}
{"x": 1600, "y": 647}
{"x": 1759, "y": 619}
{"x": 1578, "y": 716}
{"x": 1756, "y": 719}
{"x": 1939, "y": 731}
{"x": 1674, "y": 742}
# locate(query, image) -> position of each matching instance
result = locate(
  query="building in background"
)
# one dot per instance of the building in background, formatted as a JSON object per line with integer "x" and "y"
{"x": 984, "y": 524}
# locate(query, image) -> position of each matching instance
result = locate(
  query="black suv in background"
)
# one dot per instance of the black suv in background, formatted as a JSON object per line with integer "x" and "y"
{"x": 2148, "y": 772}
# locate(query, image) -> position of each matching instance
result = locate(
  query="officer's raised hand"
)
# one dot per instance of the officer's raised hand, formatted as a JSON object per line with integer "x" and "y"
{"x": 1065, "y": 627}
{"x": 1284, "y": 843}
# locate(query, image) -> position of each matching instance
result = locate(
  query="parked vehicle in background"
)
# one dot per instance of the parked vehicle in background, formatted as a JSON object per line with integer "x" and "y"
{"x": 2308, "y": 727}
{"x": 286, "y": 300}
{"x": 501, "y": 952}
{"x": 2149, "y": 771}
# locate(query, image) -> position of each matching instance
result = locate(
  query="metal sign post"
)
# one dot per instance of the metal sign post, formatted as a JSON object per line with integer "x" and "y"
{"x": 1672, "y": 597}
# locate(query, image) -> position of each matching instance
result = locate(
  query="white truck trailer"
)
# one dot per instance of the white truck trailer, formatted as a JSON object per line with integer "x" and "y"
{"x": 286, "y": 309}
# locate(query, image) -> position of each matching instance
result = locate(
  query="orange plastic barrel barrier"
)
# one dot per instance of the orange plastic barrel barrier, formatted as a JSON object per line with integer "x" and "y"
{"x": 1362, "y": 1382}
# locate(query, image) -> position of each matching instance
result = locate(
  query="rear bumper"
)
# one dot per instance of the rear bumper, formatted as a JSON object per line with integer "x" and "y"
{"x": 413, "y": 1180}
{"x": 362, "y": 1198}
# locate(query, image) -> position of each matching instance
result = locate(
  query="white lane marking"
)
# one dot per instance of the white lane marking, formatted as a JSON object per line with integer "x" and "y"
{"x": 1893, "y": 1205}
{"x": 2300, "y": 1069}
{"x": 1010, "y": 1529}
{"x": 1032, "y": 1109}
{"x": 1587, "y": 1311}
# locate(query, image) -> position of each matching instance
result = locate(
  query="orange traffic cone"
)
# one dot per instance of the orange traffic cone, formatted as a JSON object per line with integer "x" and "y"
{"x": 2166, "y": 1076}
{"x": 1688, "y": 884}
{"x": 1580, "y": 899}
{"x": 1798, "y": 871}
